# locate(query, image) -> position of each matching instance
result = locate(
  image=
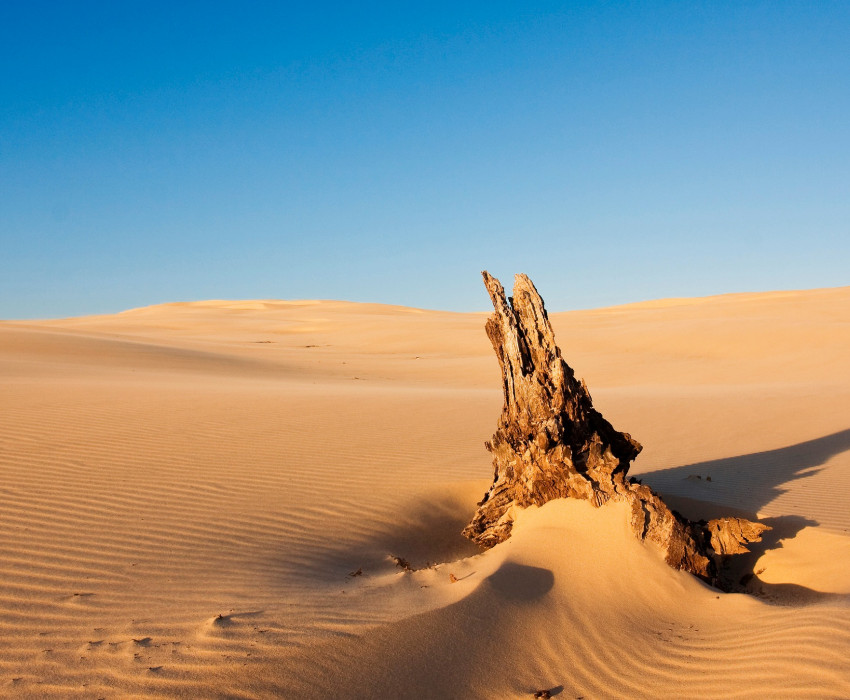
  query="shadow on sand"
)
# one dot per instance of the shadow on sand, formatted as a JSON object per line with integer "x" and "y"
{"x": 749, "y": 482}
{"x": 741, "y": 486}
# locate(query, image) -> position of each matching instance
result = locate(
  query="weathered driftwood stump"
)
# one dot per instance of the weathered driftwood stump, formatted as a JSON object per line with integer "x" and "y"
{"x": 551, "y": 443}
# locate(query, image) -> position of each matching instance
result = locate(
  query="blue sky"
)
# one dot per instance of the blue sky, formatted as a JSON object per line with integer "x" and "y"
{"x": 614, "y": 151}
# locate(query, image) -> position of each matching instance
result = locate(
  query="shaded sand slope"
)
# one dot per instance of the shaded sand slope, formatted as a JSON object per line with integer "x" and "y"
{"x": 185, "y": 489}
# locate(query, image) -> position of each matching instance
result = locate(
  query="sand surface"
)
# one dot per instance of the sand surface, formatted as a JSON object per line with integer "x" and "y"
{"x": 185, "y": 490}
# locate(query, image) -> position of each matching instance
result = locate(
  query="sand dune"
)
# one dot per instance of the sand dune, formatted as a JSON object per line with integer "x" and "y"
{"x": 185, "y": 490}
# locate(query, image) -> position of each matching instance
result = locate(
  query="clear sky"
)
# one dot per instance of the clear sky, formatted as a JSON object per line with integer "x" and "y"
{"x": 614, "y": 151}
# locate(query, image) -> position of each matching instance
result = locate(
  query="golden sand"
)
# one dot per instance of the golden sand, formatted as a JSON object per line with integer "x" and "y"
{"x": 185, "y": 490}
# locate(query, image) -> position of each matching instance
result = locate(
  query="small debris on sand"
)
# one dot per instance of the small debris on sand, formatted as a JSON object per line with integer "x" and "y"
{"x": 402, "y": 562}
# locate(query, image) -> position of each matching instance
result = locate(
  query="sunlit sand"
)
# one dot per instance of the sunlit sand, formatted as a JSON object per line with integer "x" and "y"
{"x": 204, "y": 500}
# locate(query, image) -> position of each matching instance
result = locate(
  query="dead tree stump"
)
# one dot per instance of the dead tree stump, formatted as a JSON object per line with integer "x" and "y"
{"x": 552, "y": 443}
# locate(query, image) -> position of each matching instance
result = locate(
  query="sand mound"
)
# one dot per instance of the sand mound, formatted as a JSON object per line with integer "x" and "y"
{"x": 574, "y": 604}
{"x": 188, "y": 489}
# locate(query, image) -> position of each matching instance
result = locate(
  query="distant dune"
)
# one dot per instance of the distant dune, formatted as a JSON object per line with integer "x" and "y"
{"x": 203, "y": 499}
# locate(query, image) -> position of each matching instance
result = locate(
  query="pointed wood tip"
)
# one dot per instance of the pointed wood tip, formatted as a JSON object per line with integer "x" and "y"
{"x": 522, "y": 282}
{"x": 496, "y": 291}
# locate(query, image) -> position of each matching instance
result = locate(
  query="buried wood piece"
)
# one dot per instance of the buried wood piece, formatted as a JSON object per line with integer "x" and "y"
{"x": 551, "y": 442}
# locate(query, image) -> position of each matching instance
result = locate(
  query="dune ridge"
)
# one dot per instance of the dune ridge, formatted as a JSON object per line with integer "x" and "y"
{"x": 186, "y": 490}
